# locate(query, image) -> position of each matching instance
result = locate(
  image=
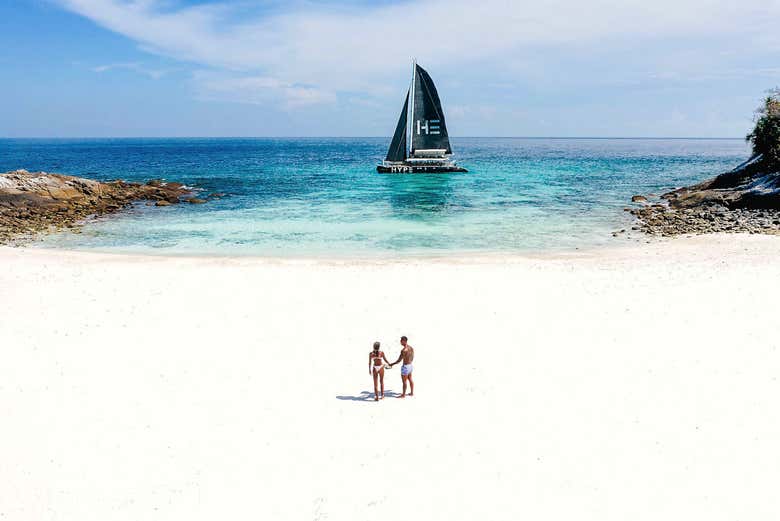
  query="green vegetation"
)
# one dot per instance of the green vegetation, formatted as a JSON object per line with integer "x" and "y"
{"x": 765, "y": 137}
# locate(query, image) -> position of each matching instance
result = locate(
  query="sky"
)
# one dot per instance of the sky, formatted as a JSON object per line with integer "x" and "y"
{"x": 569, "y": 68}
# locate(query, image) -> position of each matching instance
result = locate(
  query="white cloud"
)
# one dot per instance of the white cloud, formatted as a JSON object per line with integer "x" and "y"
{"x": 258, "y": 90}
{"x": 155, "y": 74}
{"x": 311, "y": 53}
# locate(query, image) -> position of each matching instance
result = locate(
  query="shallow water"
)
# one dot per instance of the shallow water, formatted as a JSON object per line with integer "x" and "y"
{"x": 322, "y": 196}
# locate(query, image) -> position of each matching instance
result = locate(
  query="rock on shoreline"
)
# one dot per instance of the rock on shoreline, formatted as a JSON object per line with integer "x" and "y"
{"x": 37, "y": 202}
{"x": 745, "y": 200}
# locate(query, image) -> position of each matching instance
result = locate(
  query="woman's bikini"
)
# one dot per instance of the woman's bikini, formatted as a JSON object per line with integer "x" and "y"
{"x": 378, "y": 356}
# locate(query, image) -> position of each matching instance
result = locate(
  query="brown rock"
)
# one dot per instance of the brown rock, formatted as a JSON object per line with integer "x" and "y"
{"x": 195, "y": 200}
{"x": 162, "y": 202}
{"x": 32, "y": 202}
{"x": 639, "y": 199}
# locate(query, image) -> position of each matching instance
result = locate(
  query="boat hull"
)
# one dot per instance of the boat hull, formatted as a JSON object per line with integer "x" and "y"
{"x": 419, "y": 169}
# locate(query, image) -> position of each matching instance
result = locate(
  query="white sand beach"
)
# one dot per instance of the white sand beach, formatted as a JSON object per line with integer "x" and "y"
{"x": 638, "y": 383}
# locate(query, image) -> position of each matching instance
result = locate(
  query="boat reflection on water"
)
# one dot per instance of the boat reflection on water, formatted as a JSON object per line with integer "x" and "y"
{"x": 420, "y": 195}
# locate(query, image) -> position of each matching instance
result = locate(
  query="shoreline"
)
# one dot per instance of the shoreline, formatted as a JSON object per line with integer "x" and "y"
{"x": 649, "y": 245}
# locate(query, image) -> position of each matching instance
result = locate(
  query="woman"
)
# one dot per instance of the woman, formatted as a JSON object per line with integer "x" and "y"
{"x": 376, "y": 367}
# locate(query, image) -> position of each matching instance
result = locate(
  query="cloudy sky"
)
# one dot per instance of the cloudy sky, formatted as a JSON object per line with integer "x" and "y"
{"x": 341, "y": 67}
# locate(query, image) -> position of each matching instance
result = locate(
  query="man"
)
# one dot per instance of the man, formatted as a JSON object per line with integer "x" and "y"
{"x": 407, "y": 355}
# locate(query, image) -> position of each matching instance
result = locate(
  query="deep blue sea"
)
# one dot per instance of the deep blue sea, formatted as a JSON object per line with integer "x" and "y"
{"x": 323, "y": 197}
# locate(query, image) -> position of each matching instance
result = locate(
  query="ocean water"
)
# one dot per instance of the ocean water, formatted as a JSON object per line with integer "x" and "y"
{"x": 323, "y": 197}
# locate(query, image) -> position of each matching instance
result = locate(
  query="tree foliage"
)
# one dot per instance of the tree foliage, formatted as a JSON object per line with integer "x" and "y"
{"x": 765, "y": 136}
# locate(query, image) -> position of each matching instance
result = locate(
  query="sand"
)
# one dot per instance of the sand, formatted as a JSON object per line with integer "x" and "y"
{"x": 627, "y": 384}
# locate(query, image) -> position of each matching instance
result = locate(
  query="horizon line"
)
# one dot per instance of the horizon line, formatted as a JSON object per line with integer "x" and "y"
{"x": 373, "y": 137}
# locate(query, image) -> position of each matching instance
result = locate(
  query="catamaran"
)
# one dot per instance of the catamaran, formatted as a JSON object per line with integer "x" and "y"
{"x": 422, "y": 119}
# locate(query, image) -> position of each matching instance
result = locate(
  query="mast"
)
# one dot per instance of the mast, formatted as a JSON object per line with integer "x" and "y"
{"x": 411, "y": 106}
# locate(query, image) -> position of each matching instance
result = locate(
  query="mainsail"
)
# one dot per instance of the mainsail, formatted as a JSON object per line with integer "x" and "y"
{"x": 397, "y": 151}
{"x": 428, "y": 128}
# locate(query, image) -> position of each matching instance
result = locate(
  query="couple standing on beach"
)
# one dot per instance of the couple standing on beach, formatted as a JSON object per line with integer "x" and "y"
{"x": 376, "y": 368}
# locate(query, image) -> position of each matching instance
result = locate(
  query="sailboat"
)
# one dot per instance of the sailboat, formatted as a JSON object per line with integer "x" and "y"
{"x": 422, "y": 119}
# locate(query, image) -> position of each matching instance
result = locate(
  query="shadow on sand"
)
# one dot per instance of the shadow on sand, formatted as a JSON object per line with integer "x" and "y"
{"x": 367, "y": 396}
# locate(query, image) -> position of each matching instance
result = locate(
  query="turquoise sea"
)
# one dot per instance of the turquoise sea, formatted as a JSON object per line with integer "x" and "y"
{"x": 323, "y": 197}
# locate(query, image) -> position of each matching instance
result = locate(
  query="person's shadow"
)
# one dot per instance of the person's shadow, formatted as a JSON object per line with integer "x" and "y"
{"x": 367, "y": 396}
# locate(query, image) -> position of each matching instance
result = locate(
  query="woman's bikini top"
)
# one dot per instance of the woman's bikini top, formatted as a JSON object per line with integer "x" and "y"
{"x": 377, "y": 355}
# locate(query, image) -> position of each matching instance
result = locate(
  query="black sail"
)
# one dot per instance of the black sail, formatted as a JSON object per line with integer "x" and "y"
{"x": 397, "y": 151}
{"x": 429, "y": 130}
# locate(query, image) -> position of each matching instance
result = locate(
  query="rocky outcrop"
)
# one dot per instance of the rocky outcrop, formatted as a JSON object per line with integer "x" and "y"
{"x": 745, "y": 200}
{"x": 36, "y": 202}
